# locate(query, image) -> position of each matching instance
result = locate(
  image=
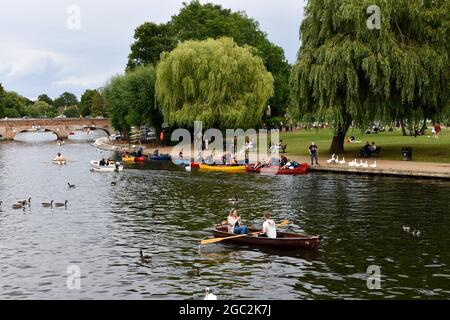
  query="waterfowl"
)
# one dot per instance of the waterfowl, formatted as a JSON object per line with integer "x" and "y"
{"x": 343, "y": 162}
{"x": 113, "y": 184}
{"x": 330, "y": 161}
{"x": 357, "y": 165}
{"x": 374, "y": 166}
{"x": 48, "y": 204}
{"x": 364, "y": 165}
{"x": 209, "y": 295}
{"x": 194, "y": 273}
{"x": 71, "y": 186}
{"x": 59, "y": 205}
{"x": 352, "y": 164}
{"x": 406, "y": 228}
{"x": 416, "y": 232}
{"x": 20, "y": 205}
{"x": 235, "y": 199}
{"x": 145, "y": 259}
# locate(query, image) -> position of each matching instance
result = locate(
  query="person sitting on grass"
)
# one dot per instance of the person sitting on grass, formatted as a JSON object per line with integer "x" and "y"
{"x": 367, "y": 151}
{"x": 373, "y": 147}
{"x": 234, "y": 223}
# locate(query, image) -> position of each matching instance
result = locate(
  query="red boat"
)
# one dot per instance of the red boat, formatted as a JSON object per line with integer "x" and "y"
{"x": 283, "y": 241}
{"x": 301, "y": 169}
{"x": 140, "y": 159}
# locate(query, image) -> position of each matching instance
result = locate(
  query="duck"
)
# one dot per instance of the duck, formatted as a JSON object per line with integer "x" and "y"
{"x": 235, "y": 199}
{"x": 330, "y": 161}
{"x": 48, "y": 204}
{"x": 71, "y": 186}
{"x": 406, "y": 228}
{"x": 209, "y": 295}
{"x": 194, "y": 273}
{"x": 145, "y": 259}
{"x": 59, "y": 205}
{"x": 374, "y": 166}
{"x": 343, "y": 162}
{"x": 113, "y": 184}
{"x": 416, "y": 232}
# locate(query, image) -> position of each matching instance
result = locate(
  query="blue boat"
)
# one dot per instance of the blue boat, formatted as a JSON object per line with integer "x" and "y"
{"x": 160, "y": 157}
{"x": 180, "y": 162}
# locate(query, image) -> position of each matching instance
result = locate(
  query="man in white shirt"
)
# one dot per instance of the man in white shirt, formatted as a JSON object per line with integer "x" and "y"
{"x": 269, "y": 227}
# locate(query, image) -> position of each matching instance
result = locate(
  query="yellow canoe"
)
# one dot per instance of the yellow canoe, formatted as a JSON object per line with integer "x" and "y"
{"x": 230, "y": 169}
{"x": 128, "y": 159}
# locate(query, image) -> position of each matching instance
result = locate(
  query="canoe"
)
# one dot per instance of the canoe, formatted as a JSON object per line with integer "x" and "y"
{"x": 111, "y": 168}
{"x": 128, "y": 159}
{"x": 139, "y": 159}
{"x": 222, "y": 168}
{"x": 161, "y": 157}
{"x": 284, "y": 240}
{"x": 302, "y": 169}
{"x": 180, "y": 162}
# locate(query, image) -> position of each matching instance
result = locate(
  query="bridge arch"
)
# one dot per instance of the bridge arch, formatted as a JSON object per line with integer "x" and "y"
{"x": 58, "y": 136}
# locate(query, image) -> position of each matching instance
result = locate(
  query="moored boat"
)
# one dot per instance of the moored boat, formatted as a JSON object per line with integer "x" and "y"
{"x": 181, "y": 162}
{"x": 301, "y": 169}
{"x": 284, "y": 240}
{"x": 139, "y": 159}
{"x": 128, "y": 159}
{"x": 160, "y": 157}
{"x": 222, "y": 168}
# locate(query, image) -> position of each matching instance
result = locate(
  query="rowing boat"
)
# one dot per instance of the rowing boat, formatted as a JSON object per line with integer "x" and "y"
{"x": 284, "y": 240}
{"x": 96, "y": 167}
{"x": 59, "y": 161}
{"x": 302, "y": 169}
{"x": 221, "y": 168}
{"x": 160, "y": 157}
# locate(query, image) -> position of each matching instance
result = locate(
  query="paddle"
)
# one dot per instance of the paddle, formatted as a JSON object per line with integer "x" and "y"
{"x": 216, "y": 240}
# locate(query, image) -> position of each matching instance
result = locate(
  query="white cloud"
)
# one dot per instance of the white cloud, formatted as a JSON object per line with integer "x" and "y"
{"x": 83, "y": 81}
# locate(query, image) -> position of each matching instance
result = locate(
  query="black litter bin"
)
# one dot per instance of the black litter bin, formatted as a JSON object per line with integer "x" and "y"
{"x": 407, "y": 154}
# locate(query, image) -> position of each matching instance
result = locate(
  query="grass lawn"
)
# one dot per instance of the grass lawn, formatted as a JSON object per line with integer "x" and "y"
{"x": 425, "y": 149}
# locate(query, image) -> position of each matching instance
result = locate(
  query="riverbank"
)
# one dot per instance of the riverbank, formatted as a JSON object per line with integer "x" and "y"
{"x": 412, "y": 169}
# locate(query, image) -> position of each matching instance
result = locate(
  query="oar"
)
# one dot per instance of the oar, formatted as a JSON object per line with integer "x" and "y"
{"x": 216, "y": 240}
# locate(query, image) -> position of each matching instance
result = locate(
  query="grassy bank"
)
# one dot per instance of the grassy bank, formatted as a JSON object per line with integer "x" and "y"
{"x": 425, "y": 148}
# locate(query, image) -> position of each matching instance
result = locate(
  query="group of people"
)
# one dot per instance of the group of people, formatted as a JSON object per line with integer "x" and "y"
{"x": 235, "y": 225}
{"x": 369, "y": 149}
{"x": 105, "y": 163}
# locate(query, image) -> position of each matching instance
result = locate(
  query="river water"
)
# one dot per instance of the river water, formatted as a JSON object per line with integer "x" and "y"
{"x": 165, "y": 212}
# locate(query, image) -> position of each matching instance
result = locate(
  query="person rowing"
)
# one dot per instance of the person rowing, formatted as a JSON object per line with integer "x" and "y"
{"x": 59, "y": 157}
{"x": 269, "y": 227}
{"x": 234, "y": 223}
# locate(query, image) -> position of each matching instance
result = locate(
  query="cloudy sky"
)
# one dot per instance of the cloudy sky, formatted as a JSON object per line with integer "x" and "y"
{"x": 39, "y": 53}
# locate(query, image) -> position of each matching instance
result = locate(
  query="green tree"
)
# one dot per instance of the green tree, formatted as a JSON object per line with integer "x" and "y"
{"x": 98, "y": 105}
{"x": 12, "y": 113}
{"x": 214, "y": 81}
{"x": 2, "y": 106}
{"x": 131, "y": 100}
{"x": 66, "y": 99}
{"x": 346, "y": 72}
{"x": 151, "y": 40}
{"x": 12, "y": 100}
{"x": 86, "y": 102}
{"x": 40, "y": 109}
{"x": 72, "y": 111}
{"x": 198, "y": 21}
{"x": 45, "y": 98}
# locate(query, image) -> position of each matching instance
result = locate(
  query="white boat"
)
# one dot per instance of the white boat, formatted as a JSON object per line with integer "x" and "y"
{"x": 116, "y": 167}
{"x": 60, "y": 161}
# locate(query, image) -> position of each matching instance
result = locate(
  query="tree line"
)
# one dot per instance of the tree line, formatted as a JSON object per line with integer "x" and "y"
{"x": 13, "y": 105}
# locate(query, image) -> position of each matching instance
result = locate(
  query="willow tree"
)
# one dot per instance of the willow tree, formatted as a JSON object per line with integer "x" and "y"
{"x": 350, "y": 72}
{"x": 214, "y": 81}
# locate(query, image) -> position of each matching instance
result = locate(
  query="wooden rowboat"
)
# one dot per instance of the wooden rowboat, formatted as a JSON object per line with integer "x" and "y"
{"x": 302, "y": 169}
{"x": 284, "y": 240}
{"x": 221, "y": 168}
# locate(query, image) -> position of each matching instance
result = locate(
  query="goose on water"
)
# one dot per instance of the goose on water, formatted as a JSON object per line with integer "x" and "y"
{"x": 48, "y": 204}
{"x": 194, "y": 273}
{"x": 59, "y": 205}
{"x": 20, "y": 205}
{"x": 145, "y": 259}
{"x": 416, "y": 232}
{"x": 406, "y": 228}
{"x": 71, "y": 186}
{"x": 209, "y": 295}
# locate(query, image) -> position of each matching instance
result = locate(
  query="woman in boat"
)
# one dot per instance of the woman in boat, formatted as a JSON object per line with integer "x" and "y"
{"x": 234, "y": 223}
{"x": 102, "y": 162}
{"x": 269, "y": 227}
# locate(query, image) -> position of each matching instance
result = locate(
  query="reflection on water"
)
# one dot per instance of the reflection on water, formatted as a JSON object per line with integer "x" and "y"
{"x": 166, "y": 211}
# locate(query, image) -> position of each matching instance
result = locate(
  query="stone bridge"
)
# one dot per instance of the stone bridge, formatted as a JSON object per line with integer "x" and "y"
{"x": 61, "y": 127}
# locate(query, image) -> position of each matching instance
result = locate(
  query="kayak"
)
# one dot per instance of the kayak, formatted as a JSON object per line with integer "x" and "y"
{"x": 139, "y": 159}
{"x": 180, "y": 162}
{"x": 116, "y": 167}
{"x": 302, "y": 169}
{"x": 284, "y": 240}
{"x": 161, "y": 157}
{"x": 222, "y": 168}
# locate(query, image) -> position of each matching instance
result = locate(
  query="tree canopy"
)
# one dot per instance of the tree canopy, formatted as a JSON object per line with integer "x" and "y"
{"x": 197, "y": 21}
{"x": 214, "y": 81}
{"x": 66, "y": 99}
{"x": 346, "y": 72}
{"x": 131, "y": 99}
